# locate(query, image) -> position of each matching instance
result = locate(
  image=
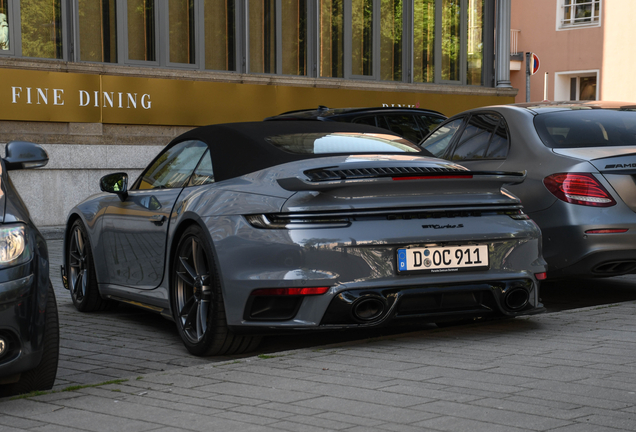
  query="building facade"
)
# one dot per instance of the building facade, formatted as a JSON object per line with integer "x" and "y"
{"x": 104, "y": 84}
{"x": 581, "y": 45}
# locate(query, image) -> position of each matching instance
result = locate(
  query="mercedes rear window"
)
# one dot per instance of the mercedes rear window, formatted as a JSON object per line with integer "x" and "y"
{"x": 587, "y": 128}
{"x": 342, "y": 143}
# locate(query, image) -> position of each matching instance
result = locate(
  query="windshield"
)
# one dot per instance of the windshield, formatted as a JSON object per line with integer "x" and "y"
{"x": 342, "y": 143}
{"x": 587, "y": 128}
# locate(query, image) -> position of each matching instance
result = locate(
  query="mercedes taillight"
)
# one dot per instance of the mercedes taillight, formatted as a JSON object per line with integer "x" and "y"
{"x": 579, "y": 188}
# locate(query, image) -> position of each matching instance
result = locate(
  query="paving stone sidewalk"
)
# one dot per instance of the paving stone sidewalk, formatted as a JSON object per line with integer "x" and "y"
{"x": 565, "y": 371}
{"x": 97, "y": 347}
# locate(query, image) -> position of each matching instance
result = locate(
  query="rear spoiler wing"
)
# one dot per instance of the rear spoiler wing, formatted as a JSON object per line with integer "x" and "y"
{"x": 297, "y": 184}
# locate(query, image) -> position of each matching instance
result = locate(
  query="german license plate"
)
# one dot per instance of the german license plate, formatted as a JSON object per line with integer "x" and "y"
{"x": 443, "y": 259}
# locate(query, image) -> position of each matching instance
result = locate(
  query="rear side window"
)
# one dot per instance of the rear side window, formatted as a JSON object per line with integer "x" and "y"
{"x": 587, "y": 128}
{"x": 430, "y": 123}
{"x": 406, "y": 126}
{"x": 365, "y": 120}
{"x": 484, "y": 137}
{"x": 173, "y": 167}
{"x": 439, "y": 140}
{"x": 204, "y": 174}
{"x": 498, "y": 148}
{"x": 342, "y": 143}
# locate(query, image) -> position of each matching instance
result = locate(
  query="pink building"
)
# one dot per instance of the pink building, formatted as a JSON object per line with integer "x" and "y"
{"x": 584, "y": 46}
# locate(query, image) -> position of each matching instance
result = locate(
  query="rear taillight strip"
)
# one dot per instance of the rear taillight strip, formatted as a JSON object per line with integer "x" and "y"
{"x": 579, "y": 188}
{"x": 607, "y": 231}
{"x": 343, "y": 220}
{"x": 290, "y": 291}
{"x": 588, "y": 199}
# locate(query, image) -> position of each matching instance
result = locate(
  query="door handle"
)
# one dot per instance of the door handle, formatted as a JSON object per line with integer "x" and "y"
{"x": 158, "y": 219}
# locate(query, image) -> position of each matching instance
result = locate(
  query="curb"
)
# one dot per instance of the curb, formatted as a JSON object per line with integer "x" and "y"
{"x": 52, "y": 232}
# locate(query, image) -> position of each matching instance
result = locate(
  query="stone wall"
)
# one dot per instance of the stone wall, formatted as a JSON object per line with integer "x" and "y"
{"x": 79, "y": 155}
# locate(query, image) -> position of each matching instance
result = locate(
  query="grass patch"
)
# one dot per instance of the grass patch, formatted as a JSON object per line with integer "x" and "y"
{"x": 606, "y": 306}
{"x": 270, "y": 356}
{"x": 79, "y": 387}
{"x": 68, "y": 389}
{"x": 32, "y": 394}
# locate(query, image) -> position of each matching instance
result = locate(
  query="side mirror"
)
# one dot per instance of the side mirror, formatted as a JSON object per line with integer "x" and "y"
{"x": 115, "y": 183}
{"x": 24, "y": 155}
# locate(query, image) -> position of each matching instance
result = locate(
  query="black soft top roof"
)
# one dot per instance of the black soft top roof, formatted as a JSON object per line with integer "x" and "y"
{"x": 241, "y": 148}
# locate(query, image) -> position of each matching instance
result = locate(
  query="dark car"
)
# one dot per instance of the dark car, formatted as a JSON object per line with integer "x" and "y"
{"x": 413, "y": 124}
{"x": 29, "y": 330}
{"x": 580, "y": 159}
{"x": 323, "y": 226}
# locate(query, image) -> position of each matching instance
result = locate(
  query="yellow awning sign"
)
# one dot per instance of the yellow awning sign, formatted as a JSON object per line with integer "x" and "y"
{"x": 28, "y": 95}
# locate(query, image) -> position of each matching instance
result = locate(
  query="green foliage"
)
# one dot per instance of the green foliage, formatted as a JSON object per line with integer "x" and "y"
{"x": 451, "y": 25}
{"x": 424, "y": 40}
{"x": 41, "y": 28}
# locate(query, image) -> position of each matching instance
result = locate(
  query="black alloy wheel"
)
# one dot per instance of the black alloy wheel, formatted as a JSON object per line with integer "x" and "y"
{"x": 197, "y": 300}
{"x": 194, "y": 290}
{"x": 82, "y": 280}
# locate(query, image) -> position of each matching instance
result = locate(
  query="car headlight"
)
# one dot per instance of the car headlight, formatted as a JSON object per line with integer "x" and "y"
{"x": 13, "y": 245}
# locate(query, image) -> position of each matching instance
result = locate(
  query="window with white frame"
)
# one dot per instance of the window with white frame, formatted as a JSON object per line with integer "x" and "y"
{"x": 580, "y": 13}
{"x": 575, "y": 86}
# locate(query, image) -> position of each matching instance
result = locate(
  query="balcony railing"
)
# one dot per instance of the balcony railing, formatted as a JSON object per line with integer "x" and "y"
{"x": 514, "y": 41}
{"x": 514, "y": 45}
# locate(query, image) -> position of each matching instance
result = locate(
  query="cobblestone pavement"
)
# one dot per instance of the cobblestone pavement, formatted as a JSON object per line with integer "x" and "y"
{"x": 101, "y": 346}
{"x": 129, "y": 341}
{"x": 564, "y": 371}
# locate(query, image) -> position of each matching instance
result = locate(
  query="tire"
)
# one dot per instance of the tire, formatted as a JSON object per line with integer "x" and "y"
{"x": 197, "y": 300}
{"x": 42, "y": 377}
{"x": 82, "y": 280}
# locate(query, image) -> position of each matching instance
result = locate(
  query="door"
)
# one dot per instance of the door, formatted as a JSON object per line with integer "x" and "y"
{"x": 136, "y": 229}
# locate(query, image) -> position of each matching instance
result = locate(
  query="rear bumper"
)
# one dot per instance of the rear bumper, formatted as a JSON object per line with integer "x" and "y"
{"x": 361, "y": 308}
{"x": 361, "y": 257}
{"x": 570, "y": 250}
{"x": 378, "y": 306}
{"x": 600, "y": 264}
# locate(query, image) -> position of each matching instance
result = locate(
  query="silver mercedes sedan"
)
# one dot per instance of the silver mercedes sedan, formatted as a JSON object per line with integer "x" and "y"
{"x": 238, "y": 230}
{"x": 580, "y": 189}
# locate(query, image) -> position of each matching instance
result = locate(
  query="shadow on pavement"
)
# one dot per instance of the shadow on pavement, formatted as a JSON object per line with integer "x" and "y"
{"x": 578, "y": 293}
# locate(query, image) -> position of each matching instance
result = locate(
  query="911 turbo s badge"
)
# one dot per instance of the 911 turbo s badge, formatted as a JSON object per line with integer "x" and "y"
{"x": 443, "y": 226}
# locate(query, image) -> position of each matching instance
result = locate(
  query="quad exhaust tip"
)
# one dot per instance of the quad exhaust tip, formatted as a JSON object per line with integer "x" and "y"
{"x": 516, "y": 298}
{"x": 368, "y": 309}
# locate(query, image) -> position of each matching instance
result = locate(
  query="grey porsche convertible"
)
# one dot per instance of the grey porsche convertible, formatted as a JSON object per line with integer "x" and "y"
{"x": 238, "y": 230}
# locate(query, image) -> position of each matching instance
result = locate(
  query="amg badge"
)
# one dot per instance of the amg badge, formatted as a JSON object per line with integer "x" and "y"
{"x": 631, "y": 165}
{"x": 443, "y": 226}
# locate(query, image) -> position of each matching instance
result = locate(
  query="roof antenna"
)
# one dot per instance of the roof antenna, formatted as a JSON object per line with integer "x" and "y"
{"x": 322, "y": 108}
